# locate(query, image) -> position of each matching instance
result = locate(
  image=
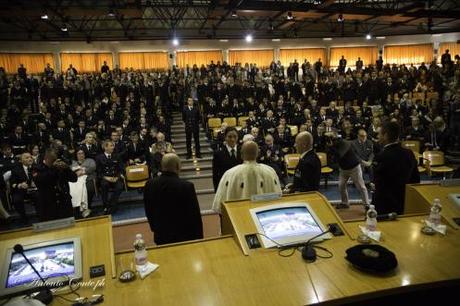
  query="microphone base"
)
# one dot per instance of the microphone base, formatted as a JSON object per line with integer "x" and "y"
{"x": 45, "y": 296}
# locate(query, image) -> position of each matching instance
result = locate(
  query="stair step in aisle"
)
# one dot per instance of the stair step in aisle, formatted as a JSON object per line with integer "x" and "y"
{"x": 197, "y": 171}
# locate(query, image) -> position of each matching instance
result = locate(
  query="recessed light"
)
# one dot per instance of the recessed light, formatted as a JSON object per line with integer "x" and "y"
{"x": 276, "y": 39}
{"x": 380, "y": 37}
{"x": 223, "y": 40}
{"x": 327, "y": 38}
{"x": 436, "y": 35}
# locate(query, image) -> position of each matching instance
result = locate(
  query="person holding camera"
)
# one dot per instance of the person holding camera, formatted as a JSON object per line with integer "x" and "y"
{"x": 349, "y": 167}
{"x": 52, "y": 181}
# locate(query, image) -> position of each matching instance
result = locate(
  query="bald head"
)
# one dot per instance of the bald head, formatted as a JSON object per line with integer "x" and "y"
{"x": 249, "y": 151}
{"x": 303, "y": 142}
{"x": 170, "y": 163}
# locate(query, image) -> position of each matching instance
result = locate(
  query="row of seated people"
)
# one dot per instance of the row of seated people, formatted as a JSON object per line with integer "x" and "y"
{"x": 418, "y": 123}
{"x": 101, "y": 164}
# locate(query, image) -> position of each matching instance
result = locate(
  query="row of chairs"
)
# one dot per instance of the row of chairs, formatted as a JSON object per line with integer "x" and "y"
{"x": 428, "y": 161}
{"x": 291, "y": 161}
{"x": 215, "y": 124}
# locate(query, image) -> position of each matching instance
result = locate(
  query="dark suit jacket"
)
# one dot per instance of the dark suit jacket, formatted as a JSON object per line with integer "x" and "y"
{"x": 172, "y": 209}
{"x": 54, "y": 200}
{"x": 308, "y": 173}
{"x": 394, "y": 167}
{"x": 108, "y": 167}
{"x": 18, "y": 175}
{"x": 191, "y": 118}
{"x": 221, "y": 162}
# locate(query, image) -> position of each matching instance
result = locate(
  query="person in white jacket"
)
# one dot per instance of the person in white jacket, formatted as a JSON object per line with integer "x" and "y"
{"x": 247, "y": 179}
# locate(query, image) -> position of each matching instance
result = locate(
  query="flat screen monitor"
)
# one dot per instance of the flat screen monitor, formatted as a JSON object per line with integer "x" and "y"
{"x": 287, "y": 224}
{"x": 57, "y": 261}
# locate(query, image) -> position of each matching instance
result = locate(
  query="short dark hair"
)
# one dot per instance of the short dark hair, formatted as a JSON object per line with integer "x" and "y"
{"x": 230, "y": 129}
{"x": 392, "y": 130}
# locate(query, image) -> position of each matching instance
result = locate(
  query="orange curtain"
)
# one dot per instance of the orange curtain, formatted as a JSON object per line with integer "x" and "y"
{"x": 144, "y": 60}
{"x": 453, "y": 47}
{"x": 367, "y": 54}
{"x": 184, "y": 58}
{"x": 85, "y": 62}
{"x": 408, "y": 54}
{"x": 33, "y": 62}
{"x": 262, "y": 58}
{"x": 310, "y": 54}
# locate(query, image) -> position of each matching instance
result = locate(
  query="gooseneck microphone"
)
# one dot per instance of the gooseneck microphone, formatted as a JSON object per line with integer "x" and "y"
{"x": 387, "y": 217}
{"x": 45, "y": 296}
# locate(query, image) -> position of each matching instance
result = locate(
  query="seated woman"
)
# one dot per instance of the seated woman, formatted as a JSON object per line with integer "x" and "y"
{"x": 157, "y": 151}
{"x": 85, "y": 168}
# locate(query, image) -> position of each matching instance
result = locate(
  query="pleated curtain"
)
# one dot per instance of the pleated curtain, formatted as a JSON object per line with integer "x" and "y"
{"x": 33, "y": 62}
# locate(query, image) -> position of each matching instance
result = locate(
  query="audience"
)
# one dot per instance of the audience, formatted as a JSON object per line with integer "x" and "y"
{"x": 71, "y": 111}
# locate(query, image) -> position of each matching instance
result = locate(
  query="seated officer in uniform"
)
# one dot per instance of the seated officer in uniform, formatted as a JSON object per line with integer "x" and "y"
{"x": 109, "y": 170}
{"x": 308, "y": 171}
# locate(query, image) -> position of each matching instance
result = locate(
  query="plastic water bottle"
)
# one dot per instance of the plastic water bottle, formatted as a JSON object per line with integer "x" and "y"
{"x": 371, "y": 218}
{"x": 140, "y": 253}
{"x": 435, "y": 213}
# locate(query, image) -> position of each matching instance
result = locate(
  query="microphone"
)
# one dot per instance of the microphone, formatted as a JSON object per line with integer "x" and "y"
{"x": 45, "y": 296}
{"x": 387, "y": 217}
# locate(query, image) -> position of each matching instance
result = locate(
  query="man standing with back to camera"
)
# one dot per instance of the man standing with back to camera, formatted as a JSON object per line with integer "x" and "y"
{"x": 394, "y": 167}
{"x": 191, "y": 118}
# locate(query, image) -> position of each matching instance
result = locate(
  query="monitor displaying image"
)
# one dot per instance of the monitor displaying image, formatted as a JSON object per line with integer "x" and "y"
{"x": 287, "y": 223}
{"x": 56, "y": 261}
{"x": 50, "y": 261}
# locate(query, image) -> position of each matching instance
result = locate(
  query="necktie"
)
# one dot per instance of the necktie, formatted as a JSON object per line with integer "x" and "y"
{"x": 232, "y": 151}
{"x": 109, "y": 156}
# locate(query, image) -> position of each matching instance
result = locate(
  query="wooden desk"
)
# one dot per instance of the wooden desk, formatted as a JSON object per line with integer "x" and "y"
{"x": 422, "y": 261}
{"x": 237, "y": 220}
{"x": 419, "y": 198}
{"x": 215, "y": 272}
{"x": 96, "y": 246}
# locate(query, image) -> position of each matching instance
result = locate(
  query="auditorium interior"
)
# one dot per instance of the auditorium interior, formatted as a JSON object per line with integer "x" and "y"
{"x": 101, "y": 101}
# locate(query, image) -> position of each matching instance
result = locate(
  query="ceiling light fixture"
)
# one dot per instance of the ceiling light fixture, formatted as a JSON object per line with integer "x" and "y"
{"x": 64, "y": 28}
{"x": 327, "y": 38}
{"x": 368, "y": 36}
{"x": 340, "y": 18}
{"x": 276, "y": 39}
{"x": 111, "y": 13}
{"x": 44, "y": 16}
{"x": 380, "y": 37}
{"x": 175, "y": 42}
{"x": 234, "y": 14}
{"x": 289, "y": 16}
{"x": 248, "y": 38}
{"x": 223, "y": 40}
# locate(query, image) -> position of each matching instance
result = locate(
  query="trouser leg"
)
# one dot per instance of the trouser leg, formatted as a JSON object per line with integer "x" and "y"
{"x": 196, "y": 136}
{"x": 105, "y": 185}
{"x": 357, "y": 177}
{"x": 343, "y": 179}
{"x": 188, "y": 140}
